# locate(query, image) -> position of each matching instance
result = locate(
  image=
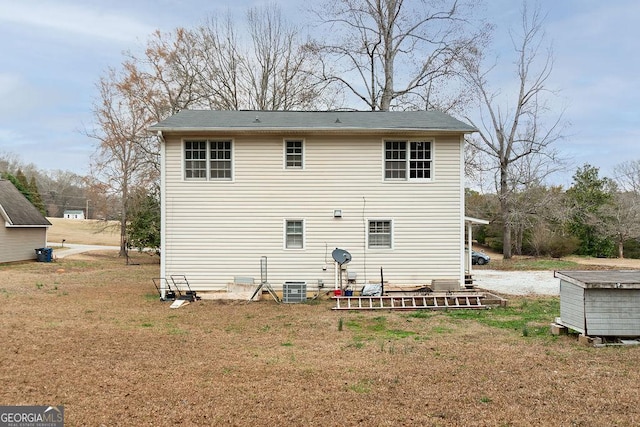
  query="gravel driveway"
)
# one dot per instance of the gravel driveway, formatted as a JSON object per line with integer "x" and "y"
{"x": 517, "y": 282}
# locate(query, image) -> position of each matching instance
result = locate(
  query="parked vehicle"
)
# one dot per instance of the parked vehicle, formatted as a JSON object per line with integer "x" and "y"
{"x": 479, "y": 258}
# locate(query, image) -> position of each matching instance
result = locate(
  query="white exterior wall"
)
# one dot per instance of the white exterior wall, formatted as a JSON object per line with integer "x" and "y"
{"x": 215, "y": 230}
{"x": 74, "y": 215}
{"x": 20, "y": 243}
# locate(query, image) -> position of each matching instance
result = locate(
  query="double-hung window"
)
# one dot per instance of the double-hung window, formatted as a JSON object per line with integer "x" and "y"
{"x": 208, "y": 159}
{"x": 294, "y": 234}
{"x": 294, "y": 150}
{"x": 380, "y": 234}
{"x": 408, "y": 160}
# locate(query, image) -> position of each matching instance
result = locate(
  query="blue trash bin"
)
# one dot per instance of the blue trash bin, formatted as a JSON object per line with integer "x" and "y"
{"x": 44, "y": 254}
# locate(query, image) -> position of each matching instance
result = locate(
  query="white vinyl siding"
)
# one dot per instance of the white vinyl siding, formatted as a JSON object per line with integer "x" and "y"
{"x": 213, "y": 233}
{"x": 19, "y": 243}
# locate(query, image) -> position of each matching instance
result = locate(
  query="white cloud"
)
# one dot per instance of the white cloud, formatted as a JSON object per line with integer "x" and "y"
{"x": 73, "y": 19}
{"x": 17, "y": 96}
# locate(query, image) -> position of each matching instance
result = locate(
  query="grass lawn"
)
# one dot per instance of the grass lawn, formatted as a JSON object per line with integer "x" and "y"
{"x": 89, "y": 333}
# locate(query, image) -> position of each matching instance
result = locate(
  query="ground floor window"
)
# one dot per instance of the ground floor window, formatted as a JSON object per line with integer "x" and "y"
{"x": 294, "y": 234}
{"x": 380, "y": 234}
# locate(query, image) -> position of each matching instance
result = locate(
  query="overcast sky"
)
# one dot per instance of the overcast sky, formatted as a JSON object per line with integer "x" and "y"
{"x": 54, "y": 52}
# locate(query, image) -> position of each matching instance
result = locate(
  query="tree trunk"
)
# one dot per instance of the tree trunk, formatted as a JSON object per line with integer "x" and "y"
{"x": 123, "y": 217}
{"x": 505, "y": 214}
{"x": 519, "y": 235}
{"x": 620, "y": 249}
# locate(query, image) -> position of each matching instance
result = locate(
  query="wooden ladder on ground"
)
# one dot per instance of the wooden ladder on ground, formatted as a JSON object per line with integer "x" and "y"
{"x": 434, "y": 301}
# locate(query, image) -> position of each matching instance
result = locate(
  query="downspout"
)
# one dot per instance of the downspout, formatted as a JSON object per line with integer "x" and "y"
{"x": 163, "y": 223}
{"x": 461, "y": 276}
{"x": 467, "y": 260}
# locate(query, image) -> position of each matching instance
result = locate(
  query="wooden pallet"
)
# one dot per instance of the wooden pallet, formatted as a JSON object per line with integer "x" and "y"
{"x": 411, "y": 302}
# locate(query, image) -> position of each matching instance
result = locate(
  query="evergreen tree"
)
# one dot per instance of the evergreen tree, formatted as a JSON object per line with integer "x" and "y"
{"x": 20, "y": 182}
{"x": 143, "y": 227}
{"x": 22, "y": 179}
{"x": 586, "y": 196}
{"x": 36, "y": 198}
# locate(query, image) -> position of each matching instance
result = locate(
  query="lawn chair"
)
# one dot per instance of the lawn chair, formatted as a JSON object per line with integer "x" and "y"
{"x": 181, "y": 284}
{"x": 169, "y": 293}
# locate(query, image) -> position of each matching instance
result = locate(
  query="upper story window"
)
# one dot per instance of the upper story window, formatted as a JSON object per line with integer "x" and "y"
{"x": 408, "y": 160}
{"x": 294, "y": 154}
{"x": 208, "y": 159}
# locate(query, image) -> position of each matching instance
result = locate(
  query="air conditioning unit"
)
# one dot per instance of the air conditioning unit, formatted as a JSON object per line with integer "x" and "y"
{"x": 294, "y": 292}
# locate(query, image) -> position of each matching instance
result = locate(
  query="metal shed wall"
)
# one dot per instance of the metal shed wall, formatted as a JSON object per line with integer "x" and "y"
{"x": 612, "y": 312}
{"x": 572, "y": 306}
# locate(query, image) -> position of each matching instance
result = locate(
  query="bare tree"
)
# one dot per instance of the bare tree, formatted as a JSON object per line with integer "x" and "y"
{"x": 62, "y": 190}
{"x": 278, "y": 68}
{"x": 268, "y": 69}
{"x": 164, "y": 79}
{"x": 514, "y": 134}
{"x": 627, "y": 175}
{"x": 220, "y": 66}
{"x": 122, "y": 160}
{"x": 395, "y": 50}
{"x": 619, "y": 219}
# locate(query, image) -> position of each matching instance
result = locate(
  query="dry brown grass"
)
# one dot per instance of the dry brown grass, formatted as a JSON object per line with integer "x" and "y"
{"x": 86, "y": 232}
{"x": 89, "y": 333}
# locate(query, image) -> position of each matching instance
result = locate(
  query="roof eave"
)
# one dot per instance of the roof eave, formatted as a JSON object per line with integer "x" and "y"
{"x": 305, "y": 129}
{"x": 7, "y": 219}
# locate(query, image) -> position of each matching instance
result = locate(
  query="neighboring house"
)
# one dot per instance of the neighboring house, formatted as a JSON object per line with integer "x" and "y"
{"x": 73, "y": 214}
{"x": 24, "y": 229}
{"x": 388, "y": 187}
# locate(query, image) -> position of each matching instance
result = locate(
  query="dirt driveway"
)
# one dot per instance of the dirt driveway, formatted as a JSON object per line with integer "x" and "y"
{"x": 517, "y": 282}
{"x": 539, "y": 282}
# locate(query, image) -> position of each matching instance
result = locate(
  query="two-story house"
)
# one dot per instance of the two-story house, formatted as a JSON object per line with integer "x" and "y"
{"x": 388, "y": 187}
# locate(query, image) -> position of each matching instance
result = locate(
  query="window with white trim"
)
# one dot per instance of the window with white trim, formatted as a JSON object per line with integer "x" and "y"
{"x": 380, "y": 234}
{"x": 294, "y": 234}
{"x": 195, "y": 159}
{"x": 294, "y": 150}
{"x": 208, "y": 159}
{"x": 408, "y": 160}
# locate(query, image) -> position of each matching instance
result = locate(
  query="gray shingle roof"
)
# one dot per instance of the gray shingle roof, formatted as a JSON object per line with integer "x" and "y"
{"x": 19, "y": 210}
{"x": 202, "y": 120}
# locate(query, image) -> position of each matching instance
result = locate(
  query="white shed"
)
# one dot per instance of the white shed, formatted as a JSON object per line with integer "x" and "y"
{"x": 600, "y": 303}
{"x": 73, "y": 214}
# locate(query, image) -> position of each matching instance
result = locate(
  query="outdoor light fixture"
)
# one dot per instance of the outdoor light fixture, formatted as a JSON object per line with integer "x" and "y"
{"x": 337, "y": 213}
